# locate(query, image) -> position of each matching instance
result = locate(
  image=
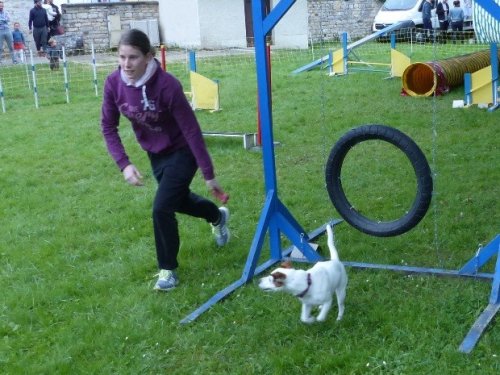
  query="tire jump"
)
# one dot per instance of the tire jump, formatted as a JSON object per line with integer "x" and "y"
{"x": 420, "y": 166}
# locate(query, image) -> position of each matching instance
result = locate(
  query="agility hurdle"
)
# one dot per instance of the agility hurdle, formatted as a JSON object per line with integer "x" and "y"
{"x": 204, "y": 91}
{"x": 338, "y": 61}
{"x": 205, "y": 95}
{"x": 481, "y": 87}
{"x": 276, "y": 220}
{"x": 347, "y": 49}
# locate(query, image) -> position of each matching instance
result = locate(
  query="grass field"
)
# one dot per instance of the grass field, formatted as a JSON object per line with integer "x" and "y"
{"x": 77, "y": 261}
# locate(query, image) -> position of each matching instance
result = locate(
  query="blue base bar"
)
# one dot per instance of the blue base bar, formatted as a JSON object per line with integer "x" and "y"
{"x": 419, "y": 270}
{"x": 469, "y": 270}
{"x": 478, "y": 328}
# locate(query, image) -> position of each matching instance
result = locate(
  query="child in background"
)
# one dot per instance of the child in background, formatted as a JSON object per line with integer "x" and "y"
{"x": 18, "y": 41}
{"x": 54, "y": 53}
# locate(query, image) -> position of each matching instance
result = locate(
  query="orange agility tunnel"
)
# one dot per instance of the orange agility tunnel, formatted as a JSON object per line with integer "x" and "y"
{"x": 425, "y": 79}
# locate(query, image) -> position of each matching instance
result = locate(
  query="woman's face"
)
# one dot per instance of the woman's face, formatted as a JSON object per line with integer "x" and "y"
{"x": 133, "y": 62}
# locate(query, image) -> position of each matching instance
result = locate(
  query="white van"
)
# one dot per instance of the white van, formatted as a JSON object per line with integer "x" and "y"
{"x": 408, "y": 11}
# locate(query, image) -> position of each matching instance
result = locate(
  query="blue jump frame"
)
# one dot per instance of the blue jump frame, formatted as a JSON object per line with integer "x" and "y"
{"x": 275, "y": 218}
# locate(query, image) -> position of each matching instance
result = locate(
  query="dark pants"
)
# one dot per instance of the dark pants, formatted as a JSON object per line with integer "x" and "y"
{"x": 443, "y": 25}
{"x": 53, "y": 28}
{"x": 6, "y": 35}
{"x": 174, "y": 173}
{"x": 40, "y": 37}
{"x": 429, "y": 32}
{"x": 457, "y": 26}
{"x": 427, "y": 23}
{"x": 54, "y": 63}
{"x": 456, "y": 34}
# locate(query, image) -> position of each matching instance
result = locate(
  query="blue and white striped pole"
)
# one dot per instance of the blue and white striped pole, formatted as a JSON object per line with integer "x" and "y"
{"x": 27, "y": 69}
{"x": 94, "y": 68}
{"x": 1, "y": 96}
{"x": 33, "y": 75}
{"x": 65, "y": 70}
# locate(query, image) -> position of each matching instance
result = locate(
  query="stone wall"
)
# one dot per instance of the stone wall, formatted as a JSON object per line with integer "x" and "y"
{"x": 86, "y": 23}
{"x": 326, "y": 18}
{"x": 19, "y": 11}
{"x": 329, "y": 18}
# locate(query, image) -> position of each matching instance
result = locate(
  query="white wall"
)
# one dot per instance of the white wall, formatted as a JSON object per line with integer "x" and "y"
{"x": 292, "y": 30}
{"x": 222, "y": 23}
{"x": 180, "y": 25}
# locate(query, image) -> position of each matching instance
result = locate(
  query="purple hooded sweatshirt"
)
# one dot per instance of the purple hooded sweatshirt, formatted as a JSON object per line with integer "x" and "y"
{"x": 161, "y": 116}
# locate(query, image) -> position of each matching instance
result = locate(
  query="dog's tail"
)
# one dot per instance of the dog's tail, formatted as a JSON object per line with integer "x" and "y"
{"x": 331, "y": 245}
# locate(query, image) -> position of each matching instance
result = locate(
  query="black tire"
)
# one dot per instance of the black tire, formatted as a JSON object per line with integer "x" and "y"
{"x": 420, "y": 166}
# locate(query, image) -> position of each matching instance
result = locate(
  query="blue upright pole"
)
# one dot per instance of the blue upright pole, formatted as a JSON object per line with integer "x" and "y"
{"x": 192, "y": 61}
{"x": 494, "y": 76}
{"x": 346, "y": 50}
{"x": 275, "y": 217}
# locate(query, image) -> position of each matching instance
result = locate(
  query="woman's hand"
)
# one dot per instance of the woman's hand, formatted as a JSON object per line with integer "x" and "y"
{"x": 216, "y": 190}
{"x": 132, "y": 175}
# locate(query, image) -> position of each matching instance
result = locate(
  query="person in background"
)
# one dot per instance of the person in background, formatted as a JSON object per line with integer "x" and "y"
{"x": 54, "y": 53}
{"x": 167, "y": 129}
{"x": 54, "y": 24}
{"x": 19, "y": 42}
{"x": 50, "y": 12}
{"x": 457, "y": 16}
{"x": 443, "y": 11}
{"x": 457, "y": 21}
{"x": 426, "y": 17}
{"x": 39, "y": 25}
{"x": 467, "y": 8}
{"x": 6, "y": 34}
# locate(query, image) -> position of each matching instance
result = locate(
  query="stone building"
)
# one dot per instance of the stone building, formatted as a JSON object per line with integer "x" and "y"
{"x": 203, "y": 23}
{"x": 328, "y": 18}
{"x": 229, "y": 23}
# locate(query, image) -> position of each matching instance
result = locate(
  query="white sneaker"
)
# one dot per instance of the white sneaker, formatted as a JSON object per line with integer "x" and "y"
{"x": 167, "y": 280}
{"x": 220, "y": 231}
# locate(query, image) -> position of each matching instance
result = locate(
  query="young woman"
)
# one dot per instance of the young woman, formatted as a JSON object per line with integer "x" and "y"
{"x": 166, "y": 128}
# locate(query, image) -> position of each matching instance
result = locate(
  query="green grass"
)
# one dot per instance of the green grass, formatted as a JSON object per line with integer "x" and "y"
{"x": 77, "y": 259}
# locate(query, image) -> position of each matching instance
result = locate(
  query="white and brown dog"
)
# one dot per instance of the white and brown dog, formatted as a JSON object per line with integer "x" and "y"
{"x": 314, "y": 287}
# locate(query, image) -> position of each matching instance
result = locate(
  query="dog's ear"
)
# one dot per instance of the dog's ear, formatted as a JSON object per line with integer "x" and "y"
{"x": 286, "y": 264}
{"x": 278, "y": 278}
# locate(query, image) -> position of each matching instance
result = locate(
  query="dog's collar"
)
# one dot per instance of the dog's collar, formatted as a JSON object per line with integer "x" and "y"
{"x": 302, "y": 294}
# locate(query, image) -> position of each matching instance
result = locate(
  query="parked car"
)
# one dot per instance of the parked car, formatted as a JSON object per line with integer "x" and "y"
{"x": 409, "y": 12}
